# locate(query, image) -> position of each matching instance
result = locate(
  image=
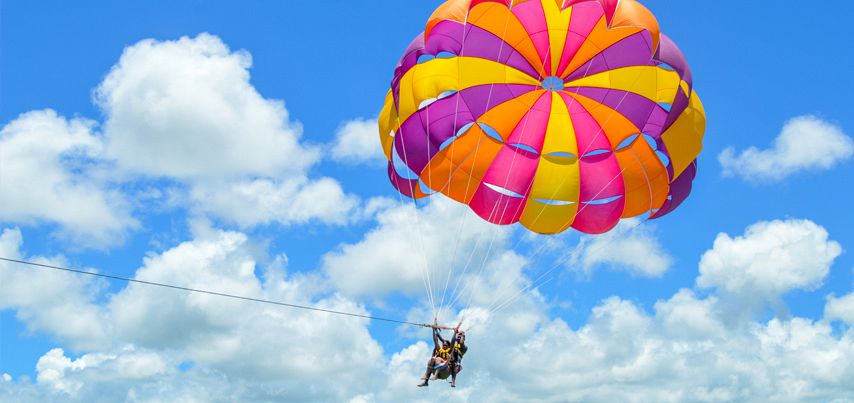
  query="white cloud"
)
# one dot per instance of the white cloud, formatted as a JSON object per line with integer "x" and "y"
{"x": 623, "y": 353}
{"x": 357, "y": 142}
{"x": 392, "y": 257}
{"x": 681, "y": 351}
{"x": 841, "y": 308}
{"x": 63, "y": 374}
{"x": 186, "y": 109}
{"x": 631, "y": 247}
{"x": 262, "y": 201}
{"x": 684, "y": 316}
{"x": 139, "y": 337}
{"x": 50, "y": 171}
{"x": 243, "y": 340}
{"x": 44, "y": 299}
{"x": 805, "y": 143}
{"x": 770, "y": 259}
{"x": 686, "y": 350}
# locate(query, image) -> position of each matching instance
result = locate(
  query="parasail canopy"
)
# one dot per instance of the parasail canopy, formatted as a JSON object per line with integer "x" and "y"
{"x": 551, "y": 113}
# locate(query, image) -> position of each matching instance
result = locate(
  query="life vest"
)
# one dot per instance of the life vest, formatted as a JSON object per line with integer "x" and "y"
{"x": 459, "y": 350}
{"x": 443, "y": 353}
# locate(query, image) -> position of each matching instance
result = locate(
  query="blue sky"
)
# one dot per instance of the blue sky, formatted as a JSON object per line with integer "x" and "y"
{"x": 761, "y": 71}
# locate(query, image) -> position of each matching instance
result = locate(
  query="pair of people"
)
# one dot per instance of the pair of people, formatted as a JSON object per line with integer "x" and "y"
{"x": 446, "y": 357}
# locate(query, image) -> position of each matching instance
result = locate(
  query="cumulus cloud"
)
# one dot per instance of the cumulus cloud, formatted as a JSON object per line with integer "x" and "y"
{"x": 357, "y": 142}
{"x": 182, "y": 111}
{"x": 630, "y": 247}
{"x": 186, "y": 109}
{"x": 623, "y": 353}
{"x": 263, "y": 201}
{"x": 683, "y": 350}
{"x": 684, "y": 316}
{"x": 768, "y": 260}
{"x": 242, "y": 340}
{"x": 148, "y": 333}
{"x": 841, "y": 308}
{"x": 44, "y": 300}
{"x": 805, "y": 143}
{"x": 51, "y": 171}
{"x": 62, "y": 374}
{"x": 408, "y": 244}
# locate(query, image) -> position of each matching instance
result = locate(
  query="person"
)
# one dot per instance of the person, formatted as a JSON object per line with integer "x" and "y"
{"x": 446, "y": 357}
{"x": 458, "y": 350}
{"x": 439, "y": 365}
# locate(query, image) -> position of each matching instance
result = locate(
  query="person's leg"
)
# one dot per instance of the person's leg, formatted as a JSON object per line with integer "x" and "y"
{"x": 428, "y": 372}
{"x": 455, "y": 368}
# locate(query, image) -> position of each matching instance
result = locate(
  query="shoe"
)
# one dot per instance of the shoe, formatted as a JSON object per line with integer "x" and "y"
{"x": 453, "y": 385}
{"x": 423, "y": 384}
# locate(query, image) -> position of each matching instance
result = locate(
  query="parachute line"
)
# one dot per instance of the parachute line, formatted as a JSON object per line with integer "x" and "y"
{"x": 489, "y": 132}
{"x": 425, "y": 271}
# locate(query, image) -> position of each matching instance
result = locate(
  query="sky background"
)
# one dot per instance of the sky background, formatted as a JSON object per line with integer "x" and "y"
{"x": 258, "y": 173}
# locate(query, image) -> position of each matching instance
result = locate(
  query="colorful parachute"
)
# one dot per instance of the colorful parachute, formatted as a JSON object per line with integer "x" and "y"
{"x": 552, "y": 113}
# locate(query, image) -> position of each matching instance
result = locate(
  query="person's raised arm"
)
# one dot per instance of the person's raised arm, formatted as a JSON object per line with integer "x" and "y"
{"x": 439, "y": 335}
{"x": 436, "y": 337}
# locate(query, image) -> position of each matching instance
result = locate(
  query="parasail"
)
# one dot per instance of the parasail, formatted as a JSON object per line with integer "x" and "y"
{"x": 550, "y": 113}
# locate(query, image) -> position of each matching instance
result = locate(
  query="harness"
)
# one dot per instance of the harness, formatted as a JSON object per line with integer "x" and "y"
{"x": 442, "y": 371}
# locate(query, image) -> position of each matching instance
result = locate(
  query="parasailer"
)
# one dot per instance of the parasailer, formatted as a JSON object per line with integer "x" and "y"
{"x": 458, "y": 350}
{"x": 555, "y": 114}
{"x": 445, "y": 360}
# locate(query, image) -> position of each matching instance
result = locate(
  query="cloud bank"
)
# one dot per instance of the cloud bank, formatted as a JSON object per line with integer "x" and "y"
{"x": 179, "y": 114}
{"x": 165, "y": 345}
{"x": 806, "y": 143}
